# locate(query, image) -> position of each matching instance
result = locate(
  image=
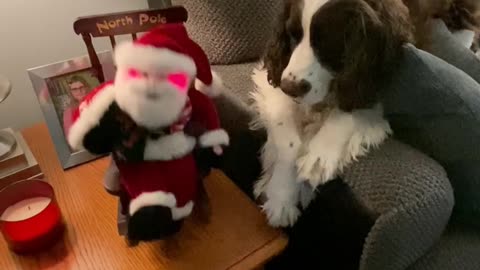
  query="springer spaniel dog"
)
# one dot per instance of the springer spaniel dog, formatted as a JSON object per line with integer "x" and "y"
{"x": 316, "y": 95}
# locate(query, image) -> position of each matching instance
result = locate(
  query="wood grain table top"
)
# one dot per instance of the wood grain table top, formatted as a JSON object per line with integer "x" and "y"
{"x": 236, "y": 236}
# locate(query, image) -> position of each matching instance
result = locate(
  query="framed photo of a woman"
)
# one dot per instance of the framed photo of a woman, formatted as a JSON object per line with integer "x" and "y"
{"x": 67, "y": 91}
{"x": 60, "y": 87}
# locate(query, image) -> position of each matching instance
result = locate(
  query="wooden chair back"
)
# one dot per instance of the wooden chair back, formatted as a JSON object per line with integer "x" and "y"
{"x": 122, "y": 23}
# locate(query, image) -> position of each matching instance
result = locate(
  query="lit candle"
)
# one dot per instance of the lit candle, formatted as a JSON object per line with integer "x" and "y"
{"x": 30, "y": 219}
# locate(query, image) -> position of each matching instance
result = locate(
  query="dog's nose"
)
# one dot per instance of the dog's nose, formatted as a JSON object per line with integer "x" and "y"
{"x": 295, "y": 89}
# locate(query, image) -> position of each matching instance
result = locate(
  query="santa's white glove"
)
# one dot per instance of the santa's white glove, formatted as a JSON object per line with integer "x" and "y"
{"x": 215, "y": 139}
{"x": 218, "y": 150}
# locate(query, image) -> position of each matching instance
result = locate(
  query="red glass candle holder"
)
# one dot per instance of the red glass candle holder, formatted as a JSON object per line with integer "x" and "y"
{"x": 30, "y": 219}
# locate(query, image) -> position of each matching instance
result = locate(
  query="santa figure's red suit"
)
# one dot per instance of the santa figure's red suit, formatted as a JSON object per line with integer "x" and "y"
{"x": 151, "y": 117}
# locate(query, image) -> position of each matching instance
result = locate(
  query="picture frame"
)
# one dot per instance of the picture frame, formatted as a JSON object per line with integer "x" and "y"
{"x": 59, "y": 87}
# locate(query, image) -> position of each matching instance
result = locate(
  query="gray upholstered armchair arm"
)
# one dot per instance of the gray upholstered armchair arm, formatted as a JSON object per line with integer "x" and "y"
{"x": 414, "y": 200}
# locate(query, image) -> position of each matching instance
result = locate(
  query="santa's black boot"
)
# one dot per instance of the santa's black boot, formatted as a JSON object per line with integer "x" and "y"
{"x": 152, "y": 223}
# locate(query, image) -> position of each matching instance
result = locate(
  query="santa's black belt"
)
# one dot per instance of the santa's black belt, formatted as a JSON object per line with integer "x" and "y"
{"x": 154, "y": 135}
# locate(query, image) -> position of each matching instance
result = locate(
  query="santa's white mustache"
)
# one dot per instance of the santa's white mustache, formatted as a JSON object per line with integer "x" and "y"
{"x": 152, "y": 90}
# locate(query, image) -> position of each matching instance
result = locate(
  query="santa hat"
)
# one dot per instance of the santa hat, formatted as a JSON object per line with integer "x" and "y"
{"x": 169, "y": 48}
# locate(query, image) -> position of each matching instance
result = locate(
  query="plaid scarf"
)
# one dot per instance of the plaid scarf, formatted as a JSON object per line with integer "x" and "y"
{"x": 185, "y": 116}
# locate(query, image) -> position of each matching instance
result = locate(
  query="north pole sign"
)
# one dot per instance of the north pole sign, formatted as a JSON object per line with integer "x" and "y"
{"x": 128, "y": 22}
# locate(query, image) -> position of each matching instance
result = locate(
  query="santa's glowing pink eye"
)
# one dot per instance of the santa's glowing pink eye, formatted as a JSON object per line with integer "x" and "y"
{"x": 133, "y": 73}
{"x": 180, "y": 80}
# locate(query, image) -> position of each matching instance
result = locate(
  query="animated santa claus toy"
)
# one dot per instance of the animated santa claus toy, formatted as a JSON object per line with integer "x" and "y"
{"x": 151, "y": 118}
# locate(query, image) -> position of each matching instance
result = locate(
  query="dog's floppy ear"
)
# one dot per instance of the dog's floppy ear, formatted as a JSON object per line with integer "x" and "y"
{"x": 279, "y": 48}
{"x": 373, "y": 34}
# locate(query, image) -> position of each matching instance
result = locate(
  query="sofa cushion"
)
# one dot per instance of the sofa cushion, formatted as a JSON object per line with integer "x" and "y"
{"x": 230, "y": 31}
{"x": 436, "y": 108}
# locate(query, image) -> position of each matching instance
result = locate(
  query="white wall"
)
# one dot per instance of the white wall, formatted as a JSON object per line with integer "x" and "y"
{"x": 38, "y": 32}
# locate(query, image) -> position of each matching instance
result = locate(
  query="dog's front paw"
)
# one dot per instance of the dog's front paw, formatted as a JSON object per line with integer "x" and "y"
{"x": 280, "y": 214}
{"x": 317, "y": 167}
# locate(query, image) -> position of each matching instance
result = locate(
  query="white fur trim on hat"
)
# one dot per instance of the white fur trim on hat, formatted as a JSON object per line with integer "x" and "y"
{"x": 214, "y": 138}
{"x": 129, "y": 54}
{"x": 169, "y": 147}
{"x": 160, "y": 198}
{"x": 213, "y": 90}
{"x": 90, "y": 116}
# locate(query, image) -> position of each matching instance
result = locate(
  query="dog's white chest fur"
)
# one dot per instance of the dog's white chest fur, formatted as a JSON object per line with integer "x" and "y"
{"x": 294, "y": 165}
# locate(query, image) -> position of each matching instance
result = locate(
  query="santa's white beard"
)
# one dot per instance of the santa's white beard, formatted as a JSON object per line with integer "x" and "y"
{"x": 150, "y": 105}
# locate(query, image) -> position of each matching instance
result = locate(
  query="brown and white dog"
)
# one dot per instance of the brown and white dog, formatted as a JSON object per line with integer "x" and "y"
{"x": 462, "y": 17}
{"x": 316, "y": 94}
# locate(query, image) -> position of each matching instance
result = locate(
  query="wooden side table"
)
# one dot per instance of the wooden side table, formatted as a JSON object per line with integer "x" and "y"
{"x": 236, "y": 237}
